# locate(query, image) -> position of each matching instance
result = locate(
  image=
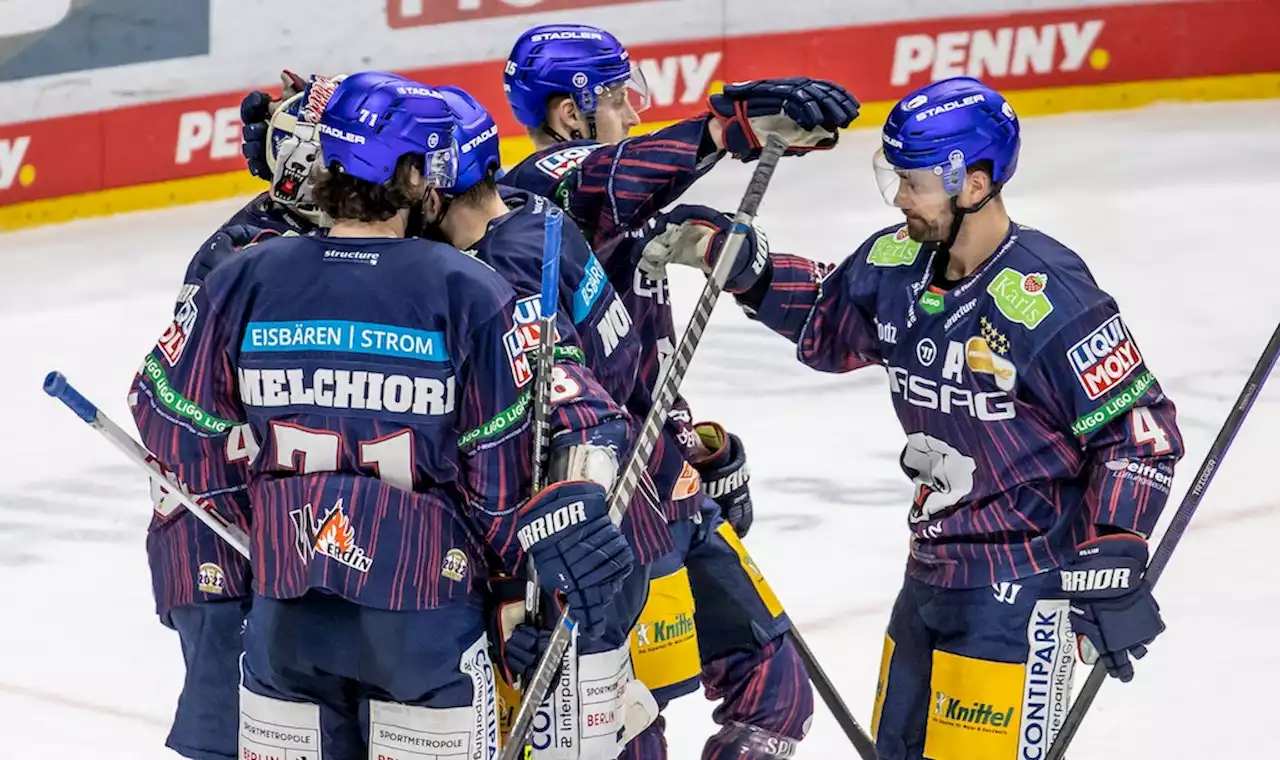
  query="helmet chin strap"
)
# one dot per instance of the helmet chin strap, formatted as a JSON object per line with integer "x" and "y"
{"x": 574, "y": 134}
{"x": 418, "y": 226}
{"x": 959, "y": 212}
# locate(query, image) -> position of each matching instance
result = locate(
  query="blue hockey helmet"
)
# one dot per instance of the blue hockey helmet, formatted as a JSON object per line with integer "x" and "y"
{"x": 477, "y": 136}
{"x": 933, "y": 135}
{"x": 374, "y": 118}
{"x": 584, "y": 62}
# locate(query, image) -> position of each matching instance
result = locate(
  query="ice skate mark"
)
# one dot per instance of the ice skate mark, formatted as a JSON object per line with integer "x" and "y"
{"x": 868, "y": 492}
{"x": 74, "y": 703}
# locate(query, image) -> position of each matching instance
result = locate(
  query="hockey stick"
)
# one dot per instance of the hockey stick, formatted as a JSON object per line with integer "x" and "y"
{"x": 1177, "y": 527}
{"x": 549, "y": 304}
{"x": 862, "y": 742}
{"x": 540, "y": 684}
{"x": 56, "y": 385}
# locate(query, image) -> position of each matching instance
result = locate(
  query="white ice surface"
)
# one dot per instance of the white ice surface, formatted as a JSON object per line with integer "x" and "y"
{"x": 1171, "y": 206}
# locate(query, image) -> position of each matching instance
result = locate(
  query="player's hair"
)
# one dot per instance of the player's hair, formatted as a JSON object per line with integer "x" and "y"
{"x": 343, "y": 197}
{"x": 474, "y": 196}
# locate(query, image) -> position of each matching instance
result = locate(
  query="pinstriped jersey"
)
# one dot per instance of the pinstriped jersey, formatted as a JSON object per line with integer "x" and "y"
{"x": 368, "y": 389}
{"x": 1030, "y": 414}
{"x": 591, "y": 318}
{"x": 614, "y": 193}
{"x": 189, "y": 563}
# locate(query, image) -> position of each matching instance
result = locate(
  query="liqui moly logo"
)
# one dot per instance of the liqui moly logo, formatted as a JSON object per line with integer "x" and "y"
{"x": 1104, "y": 357}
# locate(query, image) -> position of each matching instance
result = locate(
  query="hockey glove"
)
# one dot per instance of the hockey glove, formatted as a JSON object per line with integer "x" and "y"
{"x": 693, "y": 236}
{"x": 1112, "y": 611}
{"x": 807, "y": 113}
{"x": 577, "y": 550}
{"x": 256, "y": 110}
{"x": 724, "y": 475}
{"x": 523, "y": 651}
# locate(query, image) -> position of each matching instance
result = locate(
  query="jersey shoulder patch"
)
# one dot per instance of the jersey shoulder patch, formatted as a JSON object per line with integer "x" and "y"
{"x": 894, "y": 249}
{"x": 556, "y": 165}
{"x": 1022, "y": 297}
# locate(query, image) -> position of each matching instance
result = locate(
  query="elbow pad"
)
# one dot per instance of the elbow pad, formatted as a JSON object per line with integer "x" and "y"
{"x": 595, "y": 460}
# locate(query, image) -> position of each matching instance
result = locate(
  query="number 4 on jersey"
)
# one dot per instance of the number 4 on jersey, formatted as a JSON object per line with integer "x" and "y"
{"x": 1147, "y": 430}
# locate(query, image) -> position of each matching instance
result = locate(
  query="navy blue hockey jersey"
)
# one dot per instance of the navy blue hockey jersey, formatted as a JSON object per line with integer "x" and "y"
{"x": 367, "y": 388}
{"x": 1031, "y": 416}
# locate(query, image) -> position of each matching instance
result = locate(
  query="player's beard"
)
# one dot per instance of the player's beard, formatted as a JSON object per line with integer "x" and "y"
{"x": 924, "y": 230}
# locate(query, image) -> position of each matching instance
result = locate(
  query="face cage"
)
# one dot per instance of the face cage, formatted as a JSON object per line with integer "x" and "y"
{"x": 926, "y": 184}
{"x": 632, "y": 91}
{"x": 291, "y": 178}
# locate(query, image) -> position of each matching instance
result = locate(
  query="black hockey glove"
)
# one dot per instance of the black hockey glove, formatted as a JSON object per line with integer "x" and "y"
{"x": 256, "y": 110}
{"x": 1112, "y": 611}
{"x": 807, "y": 113}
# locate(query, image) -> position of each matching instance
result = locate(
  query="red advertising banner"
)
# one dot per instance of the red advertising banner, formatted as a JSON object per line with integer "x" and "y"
{"x": 1075, "y": 47}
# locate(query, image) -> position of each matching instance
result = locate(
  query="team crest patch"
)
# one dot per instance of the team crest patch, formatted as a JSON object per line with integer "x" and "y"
{"x": 985, "y": 353}
{"x": 455, "y": 565}
{"x": 212, "y": 580}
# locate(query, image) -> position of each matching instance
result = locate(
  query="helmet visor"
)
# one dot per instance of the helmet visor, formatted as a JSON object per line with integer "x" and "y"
{"x": 631, "y": 92}
{"x": 925, "y": 185}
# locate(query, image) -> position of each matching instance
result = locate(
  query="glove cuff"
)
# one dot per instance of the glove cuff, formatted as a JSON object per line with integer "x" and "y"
{"x": 716, "y": 445}
{"x": 1106, "y": 567}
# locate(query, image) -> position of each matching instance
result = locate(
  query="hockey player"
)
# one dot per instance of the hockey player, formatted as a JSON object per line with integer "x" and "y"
{"x": 506, "y": 230}
{"x": 579, "y": 95}
{"x": 612, "y": 190}
{"x": 201, "y": 585}
{"x": 362, "y": 380}
{"x": 1040, "y": 444}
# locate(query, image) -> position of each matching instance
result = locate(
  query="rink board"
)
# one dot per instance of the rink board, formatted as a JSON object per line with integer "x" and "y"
{"x": 138, "y": 149}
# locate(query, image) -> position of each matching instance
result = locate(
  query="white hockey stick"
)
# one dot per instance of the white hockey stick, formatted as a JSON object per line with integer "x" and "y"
{"x": 664, "y": 399}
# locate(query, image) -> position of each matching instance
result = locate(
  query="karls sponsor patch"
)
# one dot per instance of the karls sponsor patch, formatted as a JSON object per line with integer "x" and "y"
{"x": 1104, "y": 358}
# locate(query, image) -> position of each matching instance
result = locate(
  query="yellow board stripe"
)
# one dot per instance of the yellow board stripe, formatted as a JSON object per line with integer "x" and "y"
{"x": 1037, "y": 102}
